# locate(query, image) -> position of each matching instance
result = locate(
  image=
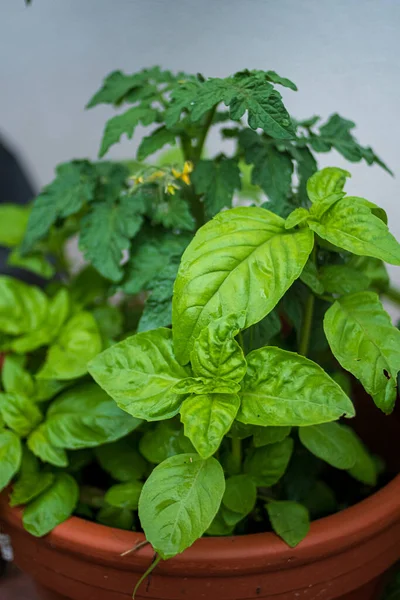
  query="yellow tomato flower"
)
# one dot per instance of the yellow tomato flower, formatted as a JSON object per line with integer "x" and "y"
{"x": 184, "y": 175}
{"x": 138, "y": 179}
{"x": 170, "y": 188}
{"x": 156, "y": 175}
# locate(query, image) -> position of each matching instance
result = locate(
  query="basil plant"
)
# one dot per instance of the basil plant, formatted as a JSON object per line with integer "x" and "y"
{"x": 210, "y": 395}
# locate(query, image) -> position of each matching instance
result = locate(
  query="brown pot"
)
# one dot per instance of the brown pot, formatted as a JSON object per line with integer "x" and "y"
{"x": 344, "y": 556}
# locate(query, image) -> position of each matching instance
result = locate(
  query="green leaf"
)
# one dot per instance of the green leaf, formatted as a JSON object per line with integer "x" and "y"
{"x": 163, "y": 441}
{"x": 343, "y": 279}
{"x": 20, "y": 413}
{"x": 240, "y": 250}
{"x": 85, "y": 416}
{"x": 173, "y": 213}
{"x": 115, "y": 87}
{"x": 119, "y": 518}
{"x": 364, "y": 341}
{"x": 39, "y": 444}
{"x": 207, "y": 418}
{"x": 29, "y": 487}
{"x": 51, "y": 508}
{"x": 306, "y": 166}
{"x": 35, "y": 263}
{"x": 57, "y": 313}
{"x": 351, "y": 225}
{"x": 179, "y": 501}
{"x": 326, "y": 182}
{"x": 126, "y": 123}
{"x": 10, "y": 456}
{"x": 73, "y": 187}
{"x": 157, "y": 139}
{"x": 140, "y": 374}
{"x": 320, "y": 501}
{"x": 109, "y": 320}
{"x": 124, "y": 495}
{"x": 14, "y": 377}
{"x": 216, "y": 353}
{"x": 77, "y": 343}
{"x": 373, "y": 268}
{"x": 106, "y": 232}
{"x": 240, "y": 494}
{"x": 311, "y": 278}
{"x": 275, "y": 78}
{"x": 218, "y": 182}
{"x": 261, "y": 333}
{"x": 364, "y": 469}
{"x": 47, "y": 389}
{"x": 330, "y": 442}
{"x": 121, "y": 460}
{"x": 13, "y": 222}
{"x": 282, "y": 388}
{"x": 289, "y": 520}
{"x": 158, "y": 308}
{"x": 264, "y": 436}
{"x": 23, "y": 308}
{"x": 296, "y": 217}
{"x": 267, "y": 465}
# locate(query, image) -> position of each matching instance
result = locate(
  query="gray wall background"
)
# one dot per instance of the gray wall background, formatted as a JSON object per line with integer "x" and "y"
{"x": 344, "y": 56}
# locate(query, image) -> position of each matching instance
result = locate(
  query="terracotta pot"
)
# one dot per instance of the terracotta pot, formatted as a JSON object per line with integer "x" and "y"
{"x": 344, "y": 556}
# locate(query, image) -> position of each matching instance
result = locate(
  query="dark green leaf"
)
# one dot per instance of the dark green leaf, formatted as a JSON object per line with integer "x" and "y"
{"x": 126, "y": 123}
{"x": 365, "y": 468}
{"x": 218, "y": 182}
{"x": 29, "y": 487}
{"x": 264, "y": 436}
{"x": 120, "y": 518}
{"x": 267, "y": 464}
{"x": 173, "y": 213}
{"x": 121, "y": 460}
{"x": 289, "y": 520}
{"x": 163, "y": 441}
{"x": 156, "y": 140}
{"x": 240, "y": 494}
{"x": 260, "y": 334}
{"x": 330, "y": 442}
{"x": 275, "y": 78}
{"x": 158, "y": 308}
{"x": 124, "y": 495}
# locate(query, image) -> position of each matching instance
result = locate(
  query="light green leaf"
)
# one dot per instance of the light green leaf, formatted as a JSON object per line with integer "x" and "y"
{"x": 13, "y": 221}
{"x": 39, "y": 444}
{"x": 140, "y": 374}
{"x": 57, "y": 313}
{"x": 207, "y": 418}
{"x": 106, "y": 232}
{"x": 203, "y": 385}
{"x": 298, "y": 216}
{"x": 373, "y": 268}
{"x": 121, "y": 460}
{"x": 289, "y": 520}
{"x": 264, "y": 436}
{"x": 35, "y": 263}
{"x": 364, "y": 341}
{"x": 126, "y": 123}
{"x": 351, "y": 225}
{"x": 10, "y": 456}
{"x": 14, "y": 377}
{"x": 124, "y": 495}
{"x": 73, "y": 187}
{"x": 85, "y": 416}
{"x": 216, "y": 353}
{"x": 51, "y": 508}
{"x": 240, "y": 250}
{"x": 266, "y": 465}
{"x": 166, "y": 439}
{"x": 47, "y": 389}
{"x": 283, "y": 388}
{"x": 77, "y": 343}
{"x": 157, "y": 139}
{"x": 311, "y": 278}
{"x": 28, "y": 487}
{"x": 20, "y": 413}
{"x": 119, "y": 518}
{"x": 23, "y": 308}
{"x": 326, "y": 182}
{"x": 365, "y": 469}
{"x": 179, "y": 501}
{"x": 240, "y": 494}
{"x": 330, "y": 442}
{"x": 218, "y": 182}
{"x": 343, "y": 279}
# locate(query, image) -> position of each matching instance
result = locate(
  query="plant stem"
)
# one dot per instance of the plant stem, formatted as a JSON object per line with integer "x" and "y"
{"x": 236, "y": 455}
{"x": 200, "y": 144}
{"x": 305, "y": 333}
{"x": 392, "y": 294}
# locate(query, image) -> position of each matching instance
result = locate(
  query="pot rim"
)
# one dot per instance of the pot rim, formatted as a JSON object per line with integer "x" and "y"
{"x": 327, "y": 536}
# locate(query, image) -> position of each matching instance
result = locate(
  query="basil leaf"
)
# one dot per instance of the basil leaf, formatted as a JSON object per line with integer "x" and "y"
{"x": 77, "y": 343}
{"x": 330, "y": 442}
{"x": 29, "y": 487}
{"x": 239, "y": 250}
{"x": 140, "y": 374}
{"x": 343, "y": 279}
{"x": 120, "y": 518}
{"x": 260, "y": 334}
{"x": 320, "y": 501}
{"x": 124, "y": 495}
{"x": 350, "y": 224}
{"x": 270, "y": 435}
{"x": 283, "y": 388}
{"x": 266, "y": 465}
{"x": 296, "y": 217}
{"x": 310, "y": 277}
{"x": 51, "y": 508}
{"x": 216, "y": 353}
{"x": 20, "y": 413}
{"x": 364, "y": 341}
{"x": 240, "y": 494}
{"x": 121, "y": 460}
{"x": 85, "y": 416}
{"x": 326, "y": 182}
{"x": 164, "y": 441}
{"x": 202, "y": 385}
{"x": 289, "y": 520}
{"x": 179, "y": 501}
{"x": 39, "y": 444}
{"x": 364, "y": 469}
{"x": 13, "y": 222}
{"x": 23, "y": 308}
{"x": 374, "y": 269}
{"x": 47, "y": 389}
{"x": 219, "y": 526}
{"x": 14, "y": 377}
{"x": 207, "y": 418}
{"x": 10, "y": 456}
{"x": 34, "y": 262}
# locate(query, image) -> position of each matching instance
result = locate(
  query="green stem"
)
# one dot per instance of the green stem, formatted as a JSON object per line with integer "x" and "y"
{"x": 186, "y": 147}
{"x": 266, "y": 498}
{"x": 200, "y": 144}
{"x": 146, "y": 574}
{"x": 236, "y": 455}
{"x": 392, "y": 294}
{"x": 305, "y": 333}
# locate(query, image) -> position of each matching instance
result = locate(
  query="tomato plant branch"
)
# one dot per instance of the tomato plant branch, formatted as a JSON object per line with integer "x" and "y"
{"x": 393, "y": 294}
{"x": 306, "y": 328}
{"x": 200, "y": 144}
